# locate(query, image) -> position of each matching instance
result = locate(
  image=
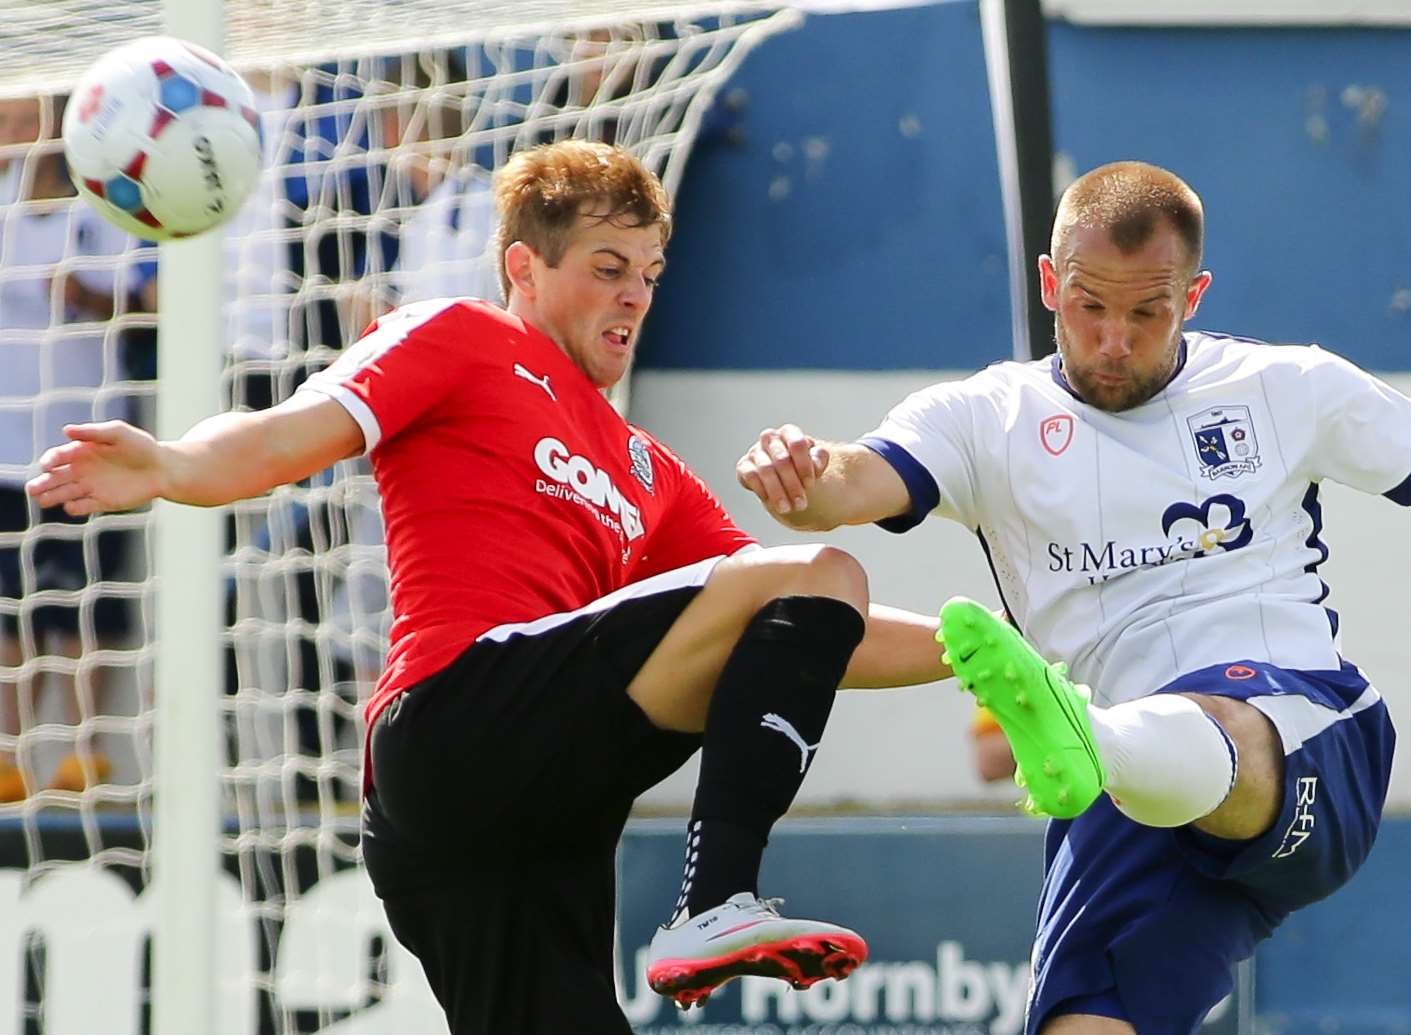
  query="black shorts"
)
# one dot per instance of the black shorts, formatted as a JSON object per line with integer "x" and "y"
{"x": 500, "y": 789}
{"x": 53, "y": 561}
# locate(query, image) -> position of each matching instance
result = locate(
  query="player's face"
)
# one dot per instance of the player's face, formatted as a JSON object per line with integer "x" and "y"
{"x": 594, "y": 301}
{"x": 1118, "y": 317}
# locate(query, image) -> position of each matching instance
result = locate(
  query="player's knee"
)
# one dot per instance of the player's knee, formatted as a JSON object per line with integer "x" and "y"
{"x": 760, "y": 576}
{"x": 826, "y": 571}
{"x": 1255, "y": 799}
{"x": 1256, "y": 740}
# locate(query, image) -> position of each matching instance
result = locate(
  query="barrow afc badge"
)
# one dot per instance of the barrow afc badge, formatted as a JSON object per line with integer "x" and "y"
{"x": 1225, "y": 443}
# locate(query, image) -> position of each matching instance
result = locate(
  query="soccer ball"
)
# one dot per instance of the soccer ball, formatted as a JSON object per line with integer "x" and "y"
{"x": 162, "y": 138}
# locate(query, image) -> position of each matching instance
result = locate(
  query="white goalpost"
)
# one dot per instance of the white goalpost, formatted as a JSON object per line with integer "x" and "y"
{"x": 208, "y": 824}
{"x": 185, "y": 547}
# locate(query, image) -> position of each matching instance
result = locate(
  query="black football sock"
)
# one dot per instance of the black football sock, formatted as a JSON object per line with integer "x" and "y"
{"x": 764, "y": 723}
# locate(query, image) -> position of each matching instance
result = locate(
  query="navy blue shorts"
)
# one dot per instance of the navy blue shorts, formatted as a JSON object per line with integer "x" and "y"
{"x": 1147, "y": 924}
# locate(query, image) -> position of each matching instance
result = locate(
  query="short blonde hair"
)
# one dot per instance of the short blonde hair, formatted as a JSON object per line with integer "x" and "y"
{"x": 1129, "y": 200}
{"x": 540, "y": 192}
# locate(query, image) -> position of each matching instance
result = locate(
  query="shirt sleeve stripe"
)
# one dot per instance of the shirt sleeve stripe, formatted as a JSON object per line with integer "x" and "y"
{"x": 919, "y": 484}
{"x": 357, "y": 409}
{"x": 1401, "y": 494}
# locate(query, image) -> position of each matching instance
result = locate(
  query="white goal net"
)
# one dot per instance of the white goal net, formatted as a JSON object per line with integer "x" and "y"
{"x": 382, "y": 122}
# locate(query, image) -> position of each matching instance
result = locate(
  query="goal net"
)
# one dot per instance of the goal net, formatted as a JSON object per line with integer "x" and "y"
{"x": 382, "y": 123}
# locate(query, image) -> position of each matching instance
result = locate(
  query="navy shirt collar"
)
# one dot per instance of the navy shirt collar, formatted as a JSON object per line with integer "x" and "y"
{"x": 1056, "y": 368}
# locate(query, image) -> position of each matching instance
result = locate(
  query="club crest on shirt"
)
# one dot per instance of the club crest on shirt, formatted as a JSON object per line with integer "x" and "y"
{"x": 1225, "y": 443}
{"x": 641, "y": 461}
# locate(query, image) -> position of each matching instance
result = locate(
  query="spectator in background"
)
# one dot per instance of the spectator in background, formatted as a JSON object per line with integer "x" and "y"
{"x": 446, "y": 243}
{"x": 259, "y": 282}
{"x": 19, "y": 125}
{"x": 432, "y": 210}
{"x": 52, "y": 372}
{"x": 989, "y": 747}
{"x": 994, "y": 760}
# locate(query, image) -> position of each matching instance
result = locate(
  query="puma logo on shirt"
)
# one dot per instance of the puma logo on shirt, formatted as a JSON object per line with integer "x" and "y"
{"x": 542, "y": 382}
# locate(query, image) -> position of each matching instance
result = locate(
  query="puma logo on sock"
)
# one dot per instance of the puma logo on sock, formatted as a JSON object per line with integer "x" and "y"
{"x": 779, "y": 724}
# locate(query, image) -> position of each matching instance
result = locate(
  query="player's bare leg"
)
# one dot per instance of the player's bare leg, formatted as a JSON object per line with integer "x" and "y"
{"x": 675, "y": 685}
{"x": 1257, "y": 796}
{"x": 754, "y": 662}
{"x": 1086, "y": 1024}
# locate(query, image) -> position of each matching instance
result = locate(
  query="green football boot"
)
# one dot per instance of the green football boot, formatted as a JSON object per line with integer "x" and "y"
{"x": 1040, "y": 710}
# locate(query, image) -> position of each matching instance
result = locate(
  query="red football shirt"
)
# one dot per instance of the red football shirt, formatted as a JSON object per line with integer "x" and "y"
{"x": 511, "y": 489}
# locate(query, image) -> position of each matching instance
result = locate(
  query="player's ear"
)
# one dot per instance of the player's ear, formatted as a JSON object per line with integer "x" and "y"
{"x": 1196, "y": 291}
{"x": 1048, "y": 283}
{"x": 519, "y": 267}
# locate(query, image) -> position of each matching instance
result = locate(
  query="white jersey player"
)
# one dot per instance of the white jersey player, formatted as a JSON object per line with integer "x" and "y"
{"x": 1148, "y": 499}
{"x": 1213, "y": 556}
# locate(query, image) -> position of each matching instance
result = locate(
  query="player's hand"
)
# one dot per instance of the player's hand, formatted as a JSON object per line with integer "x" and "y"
{"x": 781, "y": 467}
{"x": 107, "y": 466}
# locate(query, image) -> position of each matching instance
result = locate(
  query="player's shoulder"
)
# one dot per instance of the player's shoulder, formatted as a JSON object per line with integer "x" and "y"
{"x": 1014, "y": 373}
{"x": 438, "y": 332}
{"x": 478, "y": 321}
{"x": 988, "y": 394}
{"x": 999, "y": 382}
{"x": 473, "y": 313}
{"x": 1218, "y": 354}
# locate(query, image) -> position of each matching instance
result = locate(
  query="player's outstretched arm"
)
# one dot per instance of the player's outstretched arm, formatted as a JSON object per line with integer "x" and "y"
{"x": 114, "y": 466}
{"x": 813, "y": 486}
{"x": 899, "y": 650}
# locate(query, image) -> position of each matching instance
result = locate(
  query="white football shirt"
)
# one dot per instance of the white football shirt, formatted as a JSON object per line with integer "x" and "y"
{"x": 1179, "y": 534}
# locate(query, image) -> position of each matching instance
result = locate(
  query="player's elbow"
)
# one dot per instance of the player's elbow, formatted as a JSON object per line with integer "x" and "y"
{"x": 807, "y": 521}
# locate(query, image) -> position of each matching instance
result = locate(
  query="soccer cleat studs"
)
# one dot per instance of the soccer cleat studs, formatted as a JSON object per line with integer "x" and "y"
{"x": 1043, "y": 715}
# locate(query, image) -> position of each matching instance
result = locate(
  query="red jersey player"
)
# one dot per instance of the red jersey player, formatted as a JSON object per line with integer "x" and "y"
{"x": 575, "y": 615}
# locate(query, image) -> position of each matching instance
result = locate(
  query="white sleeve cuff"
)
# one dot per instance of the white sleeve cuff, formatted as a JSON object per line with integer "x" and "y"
{"x": 357, "y": 409}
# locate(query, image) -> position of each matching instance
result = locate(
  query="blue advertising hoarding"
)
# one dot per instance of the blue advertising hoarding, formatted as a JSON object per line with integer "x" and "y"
{"x": 946, "y": 905}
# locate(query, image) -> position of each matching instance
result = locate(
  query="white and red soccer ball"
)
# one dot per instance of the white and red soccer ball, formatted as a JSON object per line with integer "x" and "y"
{"x": 162, "y": 138}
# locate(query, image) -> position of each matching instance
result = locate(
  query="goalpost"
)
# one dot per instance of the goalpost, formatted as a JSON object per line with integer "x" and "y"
{"x": 228, "y": 700}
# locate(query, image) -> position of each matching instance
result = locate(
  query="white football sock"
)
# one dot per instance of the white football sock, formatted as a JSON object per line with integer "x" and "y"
{"x": 1168, "y": 763}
